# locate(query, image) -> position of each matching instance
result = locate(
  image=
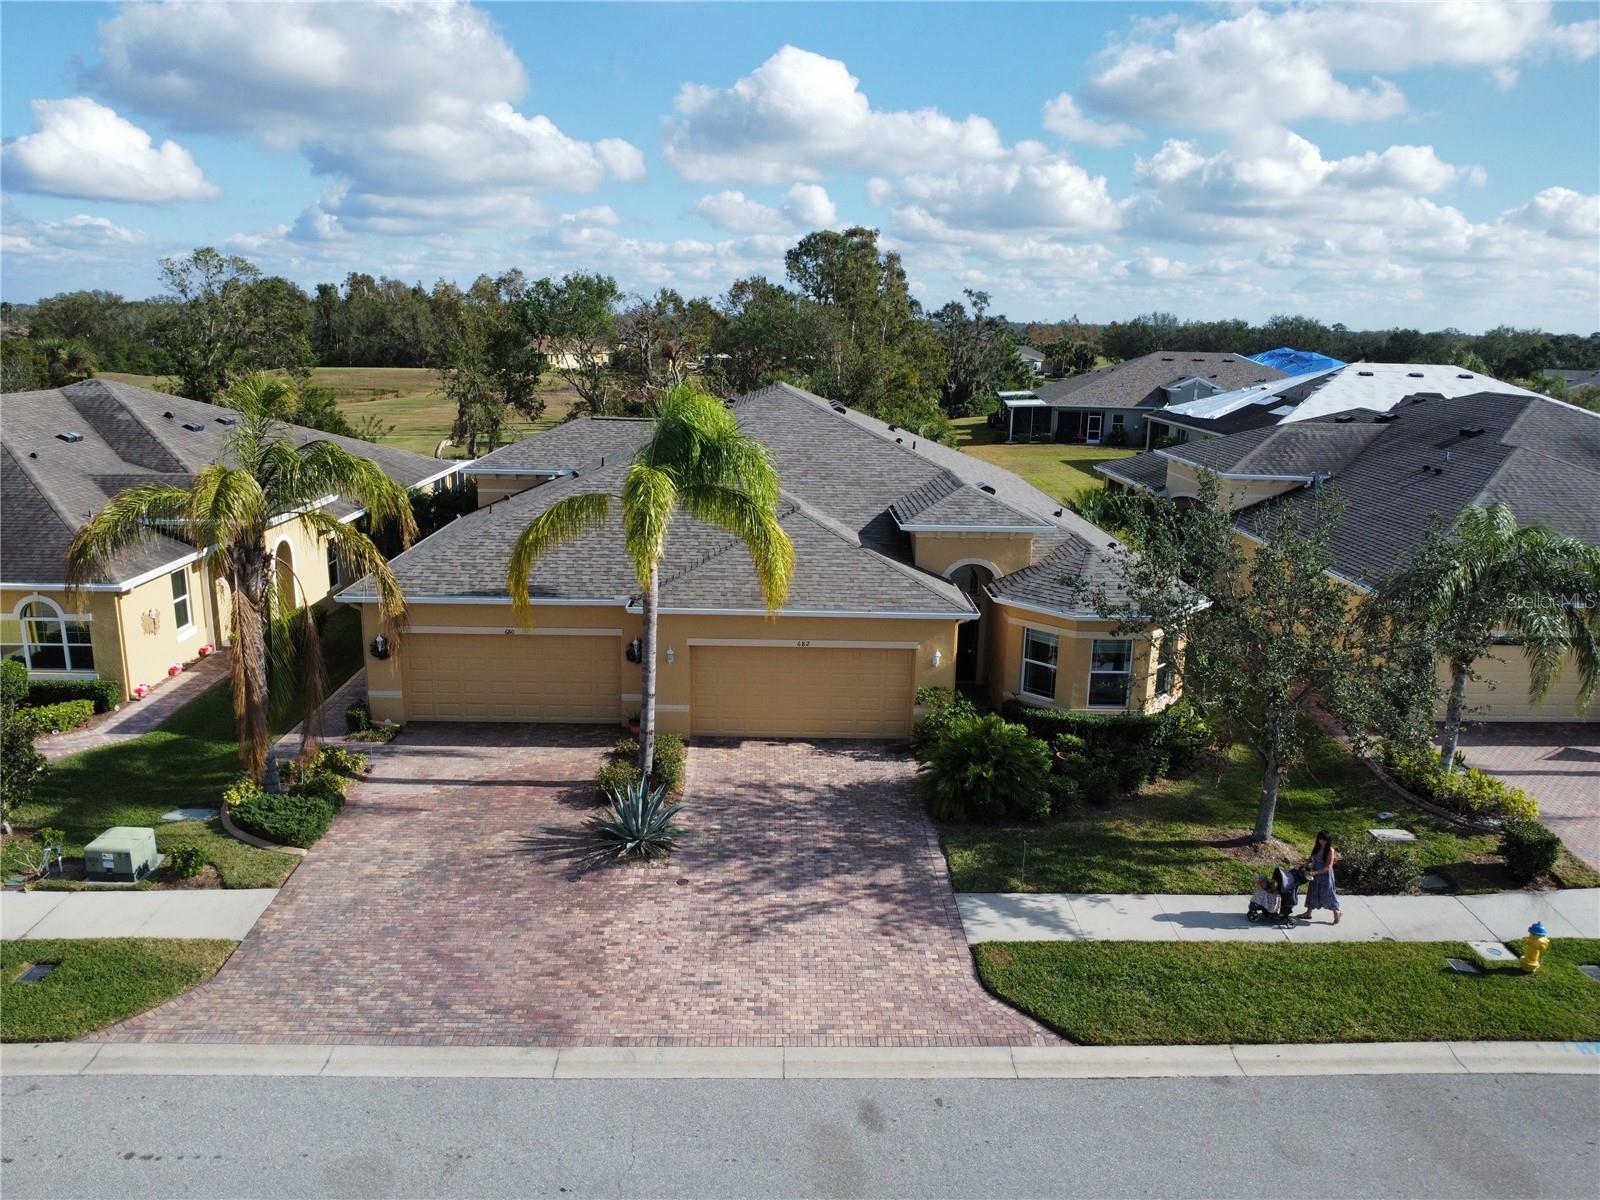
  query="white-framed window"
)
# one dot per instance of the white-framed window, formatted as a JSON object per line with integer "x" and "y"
{"x": 1110, "y": 672}
{"x": 1039, "y": 650}
{"x": 182, "y": 616}
{"x": 1116, "y": 421}
{"x": 42, "y": 638}
{"x": 1166, "y": 667}
{"x": 333, "y": 564}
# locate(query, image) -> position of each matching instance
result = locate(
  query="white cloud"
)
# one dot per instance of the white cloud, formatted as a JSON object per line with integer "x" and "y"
{"x": 809, "y": 204}
{"x": 409, "y": 106}
{"x": 1032, "y": 189}
{"x": 737, "y": 213}
{"x": 85, "y": 150}
{"x": 798, "y": 114}
{"x": 1560, "y": 212}
{"x": 1063, "y": 118}
{"x": 75, "y": 238}
{"x": 1268, "y": 67}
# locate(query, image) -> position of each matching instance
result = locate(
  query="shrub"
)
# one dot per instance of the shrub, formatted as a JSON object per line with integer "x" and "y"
{"x": 987, "y": 769}
{"x": 13, "y": 683}
{"x": 290, "y": 818}
{"x": 186, "y": 861}
{"x": 20, "y": 764}
{"x": 949, "y": 710}
{"x": 1368, "y": 867}
{"x": 1151, "y": 745}
{"x": 637, "y": 825}
{"x": 671, "y": 760}
{"x": 1099, "y": 777}
{"x": 1467, "y": 790}
{"x": 349, "y": 763}
{"x": 375, "y": 733}
{"x": 56, "y": 718}
{"x": 358, "y": 717}
{"x": 1530, "y": 850}
{"x": 105, "y": 693}
{"x": 615, "y": 775}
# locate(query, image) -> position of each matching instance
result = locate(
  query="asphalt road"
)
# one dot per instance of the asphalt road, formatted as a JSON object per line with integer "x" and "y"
{"x": 1349, "y": 1136}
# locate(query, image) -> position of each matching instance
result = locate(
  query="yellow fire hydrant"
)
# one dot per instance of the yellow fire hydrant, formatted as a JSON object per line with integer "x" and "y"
{"x": 1534, "y": 947}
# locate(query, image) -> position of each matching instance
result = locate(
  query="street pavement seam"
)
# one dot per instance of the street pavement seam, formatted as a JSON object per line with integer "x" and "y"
{"x": 799, "y": 1062}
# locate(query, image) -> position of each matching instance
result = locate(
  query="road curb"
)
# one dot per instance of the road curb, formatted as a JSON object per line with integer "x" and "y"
{"x": 801, "y": 1062}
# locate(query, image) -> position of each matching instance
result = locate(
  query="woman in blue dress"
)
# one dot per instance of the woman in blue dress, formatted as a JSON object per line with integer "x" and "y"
{"x": 1320, "y": 891}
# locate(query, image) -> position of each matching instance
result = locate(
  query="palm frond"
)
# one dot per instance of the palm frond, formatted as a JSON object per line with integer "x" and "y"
{"x": 128, "y": 519}
{"x": 326, "y": 468}
{"x": 361, "y": 556}
{"x": 649, "y": 496}
{"x": 566, "y": 519}
{"x": 226, "y": 506}
{"x": 755, "y": 524}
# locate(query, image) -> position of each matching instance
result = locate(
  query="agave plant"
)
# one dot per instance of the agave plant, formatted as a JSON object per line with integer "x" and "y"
{"x": 637, "y": 825}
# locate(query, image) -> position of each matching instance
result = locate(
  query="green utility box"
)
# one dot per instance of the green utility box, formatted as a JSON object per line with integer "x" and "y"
{"x": 122, "y": 854}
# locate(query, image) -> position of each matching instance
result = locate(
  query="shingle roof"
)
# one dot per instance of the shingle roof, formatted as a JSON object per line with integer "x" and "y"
{"x": 126, "y": 435}
{"x": 842, "y": 475}
{"x": 947, "y": 503}
{"x": 1301, "y": 449}
{"x": 569, "y": 446}
{"x": 1147, "y": 472}
{"x": 1138, "y": 382}
{"x": 1539, "y": 456}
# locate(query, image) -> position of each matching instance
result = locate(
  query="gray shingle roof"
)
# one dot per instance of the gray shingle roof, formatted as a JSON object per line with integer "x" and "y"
{"x": 1299, "y": 449}
{"x": 947, "y": 503}
{"x": 842, "y": 474}
{"x": 1137, "y": 383}
{"x": 49, "y": 487}
{"x": 1148, "y": 472}
{"x": 569, "y": 446}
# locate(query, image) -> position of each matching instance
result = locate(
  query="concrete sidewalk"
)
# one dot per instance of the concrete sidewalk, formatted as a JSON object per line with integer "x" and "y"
{"x": 1025, "y": 917}
{"x": 201, "y": 913}
{"x": 801, "y": 1062}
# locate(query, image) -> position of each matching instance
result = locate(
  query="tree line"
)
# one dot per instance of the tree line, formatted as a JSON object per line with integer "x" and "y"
{"x": 842, "y": 322}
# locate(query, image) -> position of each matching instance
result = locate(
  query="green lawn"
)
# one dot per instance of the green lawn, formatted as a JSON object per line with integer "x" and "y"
{"x": 185, "y": 763}
{"x": 99, "y": 981}
{"x": 409, "y": 398}
{"x": 1184, "y": 993}
{"x": 1064, "y": 471}
{"x": 1181, "y": 836}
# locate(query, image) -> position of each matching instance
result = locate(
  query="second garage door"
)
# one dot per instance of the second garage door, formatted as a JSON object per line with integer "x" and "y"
{"x": 472, "y": 677}
{"x": 781, "y": 691}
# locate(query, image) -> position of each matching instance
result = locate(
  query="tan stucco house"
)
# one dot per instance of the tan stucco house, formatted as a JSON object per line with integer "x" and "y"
{"x": 1395, "y": 473}
{"x": 66, "y": 451}
{"x": 916, "y": 566}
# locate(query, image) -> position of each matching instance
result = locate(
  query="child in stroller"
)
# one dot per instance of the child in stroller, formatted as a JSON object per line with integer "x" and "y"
{"x": 1274, "y": 895}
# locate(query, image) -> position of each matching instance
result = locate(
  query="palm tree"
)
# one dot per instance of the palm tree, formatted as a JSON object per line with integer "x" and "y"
{"x": 696, "y": 462}
{"x": 227, "y": 510}
{"x": 1490, "y": 578}
{"x": 66, "y": 360}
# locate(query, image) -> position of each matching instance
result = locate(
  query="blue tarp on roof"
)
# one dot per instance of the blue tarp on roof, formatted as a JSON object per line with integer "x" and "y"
{"x": 1295, "y": 362}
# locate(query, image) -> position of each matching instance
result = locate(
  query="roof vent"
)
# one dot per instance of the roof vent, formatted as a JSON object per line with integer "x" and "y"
{"x": 193, "y": 426}
{"x": 1169, "y": 360}
{"x": 167, "y": 414}
{"x": 1413, "y": 374}
{"x": 892, "y": 428}
{"x": 899, "y": 441}
{"x": 1343, "y": 419}
{"x": 224, "y": 420}
{"x": 1057, "y": 513}
{"x": 1366, "y": 373}
{"x": 1464, "y": 375}
{"x": 838, "y": 408}
{"x": 69, "y": 437}
{"x": 1468, "y": 431}
{"x": 1385, "y": 418}
{"x": 984, "y": 487}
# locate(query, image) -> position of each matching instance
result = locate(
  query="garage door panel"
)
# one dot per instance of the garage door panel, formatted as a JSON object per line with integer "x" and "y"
{"x": 782, "y": 691}
{"x": 1501, "y": 692}
{"x": 471, "y": 677}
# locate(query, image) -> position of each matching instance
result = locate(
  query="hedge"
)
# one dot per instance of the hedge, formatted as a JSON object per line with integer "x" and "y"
{"x": 622, "y": 768}
{"x": 1162, "y": 742}
{"x": 13, "y": 683}
{"x": 299, "y": 815}
{"x": 56, "y": 718}
{"x": 105, "y": 693}
{"x": 1467, "y": 790}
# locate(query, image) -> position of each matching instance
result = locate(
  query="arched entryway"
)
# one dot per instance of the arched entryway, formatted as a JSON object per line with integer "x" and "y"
{"x": 971, "y": 576}
{"x": 283, "y": 576}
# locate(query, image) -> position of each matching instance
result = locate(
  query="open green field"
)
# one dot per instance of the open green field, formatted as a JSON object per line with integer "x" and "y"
{"x": 1209, "y": 993}
{"x": 1190, "y": 836}
{"x": 97, "y": 981}
{"x": 411, "y": 399}
{"x": 1063, "y": 471}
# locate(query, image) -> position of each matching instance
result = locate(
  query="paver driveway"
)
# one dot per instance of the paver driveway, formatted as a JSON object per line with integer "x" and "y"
{"x": 809, "y": 905}
{"x": 1557, "y": 763}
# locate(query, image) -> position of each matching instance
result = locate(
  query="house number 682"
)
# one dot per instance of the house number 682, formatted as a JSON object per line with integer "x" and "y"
{"x": 802, "y": 645}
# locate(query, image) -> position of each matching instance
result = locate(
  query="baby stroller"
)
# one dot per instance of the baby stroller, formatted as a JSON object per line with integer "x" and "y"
{"x": 1274, "y": 896}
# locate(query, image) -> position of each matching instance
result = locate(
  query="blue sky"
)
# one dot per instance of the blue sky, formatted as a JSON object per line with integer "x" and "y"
{"x": 1425, "y": 165}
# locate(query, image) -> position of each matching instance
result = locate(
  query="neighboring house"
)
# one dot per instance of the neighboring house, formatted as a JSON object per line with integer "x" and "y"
{"x": 66, "y": 452}
{"x": 1296, "y": 362}
{"x": 564, "y": 356}
{"x": 1034, "y": 358}
{"x": 1396, "y": 473}
{"x": 916, "y": 566}
{"x": 1575, "y": 379}
{"x": 1111, "y": 405}
{"x": 1376, "y": 387}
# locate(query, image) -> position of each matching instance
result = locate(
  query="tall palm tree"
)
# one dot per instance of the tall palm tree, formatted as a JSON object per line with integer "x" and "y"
{"x": 66, "y": 360}
{"x": 226, "y": 511}
{"x": 696, "y": 462}
{"x": 1491, "y": 578}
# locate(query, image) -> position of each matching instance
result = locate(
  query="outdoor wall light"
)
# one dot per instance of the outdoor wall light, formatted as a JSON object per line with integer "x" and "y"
{"x": 635, "y": 651}
{"x": 380, "y": 647}
{"x": 672, "y": 656}
{"x": 937, "y": 658}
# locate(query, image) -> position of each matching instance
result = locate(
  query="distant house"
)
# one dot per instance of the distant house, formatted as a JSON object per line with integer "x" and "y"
{"x": 1374, "y": 387}
{"x": 564, "y": 356}
{"x": 66, "y": 453}
{"x": 1575, "y": 379}
{"x": 1395, "y": 473}
{"x": 1112, "y": 404}
{"x": 1034, "y": 358}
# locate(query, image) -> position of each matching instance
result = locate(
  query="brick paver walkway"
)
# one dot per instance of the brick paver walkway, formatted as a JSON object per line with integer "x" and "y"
{"x": 137, "y": 717}
{"x": 1558, "y": 763}
{"x": 809, "y": 905}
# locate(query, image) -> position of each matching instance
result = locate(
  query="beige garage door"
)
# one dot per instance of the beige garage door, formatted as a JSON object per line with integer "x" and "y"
{"x": 1507, "y": 699}
{"x": 476, "y": 677}
{"x": 781, "y": 691}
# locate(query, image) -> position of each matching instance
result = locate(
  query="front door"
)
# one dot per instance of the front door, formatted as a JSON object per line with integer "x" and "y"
{"x": 1091, "y": 428}
{"x": 967, "y": 639}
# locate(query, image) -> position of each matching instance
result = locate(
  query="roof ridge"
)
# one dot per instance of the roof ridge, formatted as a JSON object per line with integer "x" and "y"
{"x": 38, "y": 485}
